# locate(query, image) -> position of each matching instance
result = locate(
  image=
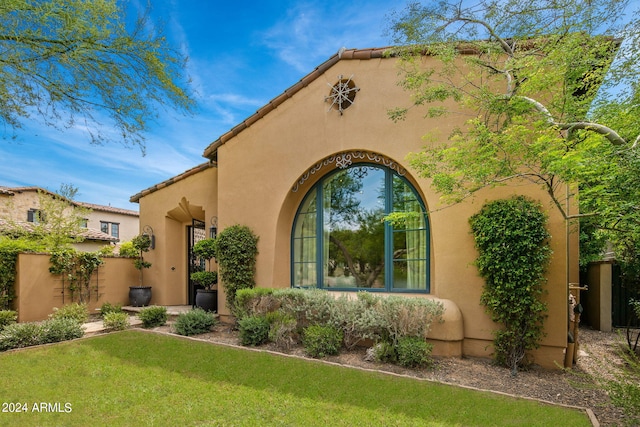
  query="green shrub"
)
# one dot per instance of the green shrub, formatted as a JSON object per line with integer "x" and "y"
{"x": 236, "y": 248}
{"x": 402, "y": 316}
{"x": 153, "y": 316}
{"x": 60, "y": 329}
{"x": 10, "y": 247}
{"x": 7, "y": 317}
{"x": 254, "y": 330}
{"x": 322, "y": 340}
{"x": 76, "y": 311}
{"x": 116, "y": 321}
{"x": 107, "y": 307}
{"x": 127, "y": 250}
{"x": 282, "y": 329}
{"x": 206, "y": 279}
{"x": 358, "y": 319}
{"x": 194, "y": 322}
{"x": 254, "y": 302}
{"x": 308, "y": 306}
{"x": 384, "y": 352}
{"x": 414, "y": 352}
{"x": 624, "y": 387}
{"x": 18, "y": 335}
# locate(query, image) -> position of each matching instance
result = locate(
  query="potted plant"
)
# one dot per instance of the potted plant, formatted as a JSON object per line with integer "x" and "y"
{"x": 140, "y": 296}
{"x": 207, "y": 296}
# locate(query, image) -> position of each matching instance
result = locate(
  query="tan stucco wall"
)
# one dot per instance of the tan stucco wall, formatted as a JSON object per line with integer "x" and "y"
{"x": 169, "y": 212}
{"x": 17, "y": 205}
{"x": 38, "y": 291}
{"x": 258, "y": 168}
{"x": 129, "y": 224}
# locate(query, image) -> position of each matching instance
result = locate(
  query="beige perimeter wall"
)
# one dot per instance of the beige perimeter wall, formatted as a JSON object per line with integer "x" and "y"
{"x": 38, "y": 291}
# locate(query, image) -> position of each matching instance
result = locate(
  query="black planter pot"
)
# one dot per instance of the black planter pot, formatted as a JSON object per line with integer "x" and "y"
{"x": 207, "y": 299}
{"x": 139, "y": 296}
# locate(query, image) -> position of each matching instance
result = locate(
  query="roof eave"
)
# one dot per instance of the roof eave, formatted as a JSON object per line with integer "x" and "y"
{"x": 346, "y": 54}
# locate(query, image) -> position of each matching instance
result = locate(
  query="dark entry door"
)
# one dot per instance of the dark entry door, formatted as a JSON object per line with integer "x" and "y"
{"x": 196, "y": 232}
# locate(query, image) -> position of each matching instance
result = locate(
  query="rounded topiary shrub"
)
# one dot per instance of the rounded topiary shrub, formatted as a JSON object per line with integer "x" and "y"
{"x": 194, "y": 322}
{"x": 254, "y": 330}
{"x": 153, "y": 316}
{"x": 321, "y": 341}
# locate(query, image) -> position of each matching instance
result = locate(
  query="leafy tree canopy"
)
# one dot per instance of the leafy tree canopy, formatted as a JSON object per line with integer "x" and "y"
{"x": 57, "y": 223}
{"x": 528, "y": 87}
{"x": 550, "y": 90}
{"x": 78, "y": 63}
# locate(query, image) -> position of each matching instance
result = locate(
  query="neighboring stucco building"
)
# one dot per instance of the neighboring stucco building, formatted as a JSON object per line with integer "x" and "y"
{"x": 105, "y": 225}
{"x": 122, "y": 224}
{"x": 312, "y": 173}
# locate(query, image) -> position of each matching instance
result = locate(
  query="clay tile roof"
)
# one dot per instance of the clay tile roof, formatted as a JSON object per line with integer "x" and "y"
{"x": 343, "y": 54}
{"x": 103, "y": 208}
{"x": 136, "y": 197}
{"x": 87, "y": 233}
{"x": 13, "y": 190}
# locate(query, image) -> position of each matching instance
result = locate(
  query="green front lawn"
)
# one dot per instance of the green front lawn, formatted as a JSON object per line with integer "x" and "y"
{"x": 139, "y": 378}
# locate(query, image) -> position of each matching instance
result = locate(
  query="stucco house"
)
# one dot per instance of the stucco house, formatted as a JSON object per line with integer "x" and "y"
{"x": 105, "y": 225}
{"x": 312, "y": 173}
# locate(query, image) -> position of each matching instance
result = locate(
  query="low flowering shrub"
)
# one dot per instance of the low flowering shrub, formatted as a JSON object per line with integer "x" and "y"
{"x": 116, "y": 321}
{"x": 254, "y": 330}
{"x": 153, "y": 316}
{"x": 320, "y": 341}
{"x": 194, "y": 322}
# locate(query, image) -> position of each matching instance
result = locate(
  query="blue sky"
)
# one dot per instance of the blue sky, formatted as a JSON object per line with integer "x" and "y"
{"x": 242, "y": 54}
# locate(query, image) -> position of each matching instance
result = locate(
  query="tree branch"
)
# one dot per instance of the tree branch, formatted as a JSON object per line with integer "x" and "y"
{"x": 603, "y": 130}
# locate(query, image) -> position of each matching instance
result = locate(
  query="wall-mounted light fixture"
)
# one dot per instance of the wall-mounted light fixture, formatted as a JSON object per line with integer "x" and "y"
{"x": 213, "y": 229}
{"x": 147, "y": 230}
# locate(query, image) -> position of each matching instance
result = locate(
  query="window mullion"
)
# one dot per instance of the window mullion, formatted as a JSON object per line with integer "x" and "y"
{"x": 320, "y": 235}
{"x": 388, "y": 231}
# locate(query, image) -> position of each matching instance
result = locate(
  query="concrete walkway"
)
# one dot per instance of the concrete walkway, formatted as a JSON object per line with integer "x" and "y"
{"x": 97, "y": 327}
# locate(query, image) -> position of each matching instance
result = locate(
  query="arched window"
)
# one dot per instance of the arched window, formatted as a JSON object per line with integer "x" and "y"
{"x": 340, "y": 240}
